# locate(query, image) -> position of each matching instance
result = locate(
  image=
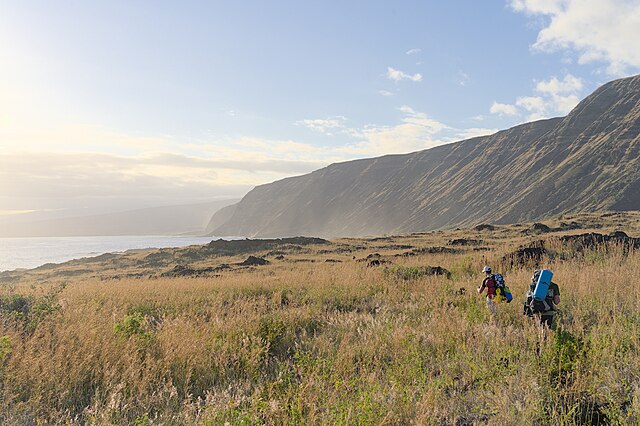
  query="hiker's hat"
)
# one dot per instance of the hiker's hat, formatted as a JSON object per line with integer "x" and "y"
{"x": 486, "y": 269}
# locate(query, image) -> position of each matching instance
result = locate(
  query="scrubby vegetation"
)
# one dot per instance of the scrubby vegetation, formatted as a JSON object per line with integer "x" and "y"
{"x": 328, "y": 343}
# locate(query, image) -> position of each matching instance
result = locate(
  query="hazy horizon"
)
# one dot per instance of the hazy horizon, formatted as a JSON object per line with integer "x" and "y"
{"x": 181, "y": 219}
{"x": 120, "y": 106}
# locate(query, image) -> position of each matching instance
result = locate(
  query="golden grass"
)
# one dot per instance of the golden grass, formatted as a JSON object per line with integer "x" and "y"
{"x": 327, "y": 343}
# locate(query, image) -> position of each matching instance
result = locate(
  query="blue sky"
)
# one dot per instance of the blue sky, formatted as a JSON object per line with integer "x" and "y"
{"x": 120, "y": 104}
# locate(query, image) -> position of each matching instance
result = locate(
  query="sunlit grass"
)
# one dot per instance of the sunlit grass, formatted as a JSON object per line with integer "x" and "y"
{"x": 325, "y": 343}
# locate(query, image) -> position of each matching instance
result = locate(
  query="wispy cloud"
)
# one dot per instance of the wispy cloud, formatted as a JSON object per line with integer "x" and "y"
{"x": 385, "y": 93}
{"x": 416, "y": 131}
{"x": 324, "y": 125}
{"x": 413, "y": 51}
{"x": 397, "y": 75}
{"x": 552, "y": 97}
{"x": 15, "y": 212}
{"x": 76, "y": 137}
{"x": 118, "y": 170}
{"x": 597, "y": 30}
{"x": 568, "y": 85}
{"x": 29, "y": 177}
{"x": 463, "y": 78}
{"x": 503, "y": 109}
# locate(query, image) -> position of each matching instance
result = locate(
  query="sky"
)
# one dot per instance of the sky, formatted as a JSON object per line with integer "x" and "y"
{"x": 108, "y": 106}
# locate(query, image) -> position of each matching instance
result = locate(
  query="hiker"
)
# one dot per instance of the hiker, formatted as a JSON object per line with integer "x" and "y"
{"x": 490, "y": 284}
{"x": 545, "y": 309}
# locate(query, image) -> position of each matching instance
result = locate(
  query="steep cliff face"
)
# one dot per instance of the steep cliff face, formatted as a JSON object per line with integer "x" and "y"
{"x": 219, "y": 218}
{"x": 588, "y": 160}
{"x": 594, "y": 156}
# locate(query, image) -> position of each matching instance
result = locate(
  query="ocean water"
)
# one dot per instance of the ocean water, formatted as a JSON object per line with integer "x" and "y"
{"x": 35, "y": 251}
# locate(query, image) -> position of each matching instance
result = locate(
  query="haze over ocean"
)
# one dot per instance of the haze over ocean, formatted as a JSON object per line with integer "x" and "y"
{"x": 36, "y": 251}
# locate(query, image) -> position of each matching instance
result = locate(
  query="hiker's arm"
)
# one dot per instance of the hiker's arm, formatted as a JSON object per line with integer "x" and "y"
{"x": 556, "y": 299}
{"x": 481, "y": 288}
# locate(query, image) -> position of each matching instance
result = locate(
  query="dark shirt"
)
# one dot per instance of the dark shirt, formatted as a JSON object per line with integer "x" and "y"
{"x": 553, "y": 291}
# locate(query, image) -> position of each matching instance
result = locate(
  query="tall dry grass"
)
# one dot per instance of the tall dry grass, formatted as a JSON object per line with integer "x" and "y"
{"x": 325, "y": 343}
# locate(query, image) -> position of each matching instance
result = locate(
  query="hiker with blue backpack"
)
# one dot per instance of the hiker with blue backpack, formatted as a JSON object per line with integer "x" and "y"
{"x": 542, "y": 298}
{"x": 497, "y": 289}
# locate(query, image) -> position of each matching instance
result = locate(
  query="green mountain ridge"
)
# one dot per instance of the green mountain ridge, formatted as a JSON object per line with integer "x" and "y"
{"x": 586, "y": 161}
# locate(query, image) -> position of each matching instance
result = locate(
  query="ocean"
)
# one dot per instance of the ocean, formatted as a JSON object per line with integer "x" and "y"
{"x": 35, "y": 251}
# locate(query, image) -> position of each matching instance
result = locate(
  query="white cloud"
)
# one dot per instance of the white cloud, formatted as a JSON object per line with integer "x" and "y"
{"x": 503, "y": 109}
{"x": 48, "y": 179}
{"x": 421, "y": 119}
{"x": 184, "y": 172}
{"x": 407, "y": 110}
{"x": 324, "y": 125}
{"x": 76, "y": 166}
{"x": 598, "y": 30}
{"x": 564, "y": 104}
{"x": 416, "y": 131}
{"x": 397, "y": 75}
{"x": 385, "y": 93}
{"x": 463, "y": 78}
{"x": 91, "y": 166}
{"x": 553, "y": 97}
{"x": 569, "y": 84}
{"x": 532, "y": 103}
{"x": 537, "y": 6}
{"x": 413, "y": 51}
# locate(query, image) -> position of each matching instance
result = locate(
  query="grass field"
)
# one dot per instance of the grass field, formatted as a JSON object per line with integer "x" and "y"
{"x": 303, "y": 340}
